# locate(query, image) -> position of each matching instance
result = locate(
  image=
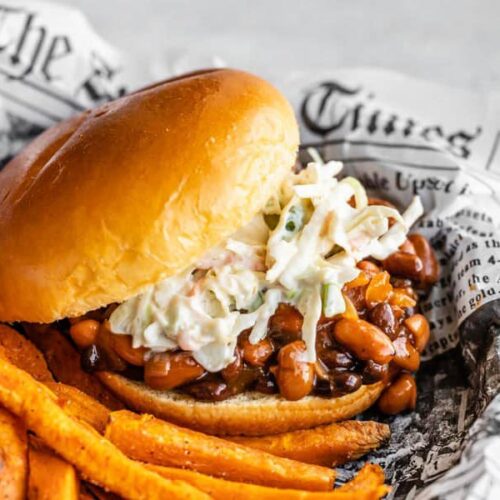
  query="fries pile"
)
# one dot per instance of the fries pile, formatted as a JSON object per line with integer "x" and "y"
{"x": 64, "y": 436}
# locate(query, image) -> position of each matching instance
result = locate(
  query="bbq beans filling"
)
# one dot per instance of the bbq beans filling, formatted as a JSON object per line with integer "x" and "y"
{"x": 380, "y": 336}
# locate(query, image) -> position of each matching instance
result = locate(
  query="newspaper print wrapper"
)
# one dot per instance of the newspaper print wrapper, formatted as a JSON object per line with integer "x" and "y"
{"x": 401, "y": 138}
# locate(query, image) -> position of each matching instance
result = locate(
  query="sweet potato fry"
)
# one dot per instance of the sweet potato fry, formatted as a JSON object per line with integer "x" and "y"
{"x": 329, "y": 445}
{"x": 64, "y": 362}
{"x": 80, "y": 405}
{"x": 13, "y": 457}
{"x": 22, "y": 353}
{"x": 163, "y": 443}
{"x": 50, "y": 477}
{"x": 229, "y": 490}
{"x": 369, "y": 477}
{"x": 96, "y": 458}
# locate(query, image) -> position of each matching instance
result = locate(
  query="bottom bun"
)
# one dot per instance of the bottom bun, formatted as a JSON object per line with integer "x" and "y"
{"x": 248, "y": 414}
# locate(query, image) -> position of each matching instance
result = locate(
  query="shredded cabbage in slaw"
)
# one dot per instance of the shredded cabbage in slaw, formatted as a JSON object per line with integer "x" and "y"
{"x": 301, "y": 249}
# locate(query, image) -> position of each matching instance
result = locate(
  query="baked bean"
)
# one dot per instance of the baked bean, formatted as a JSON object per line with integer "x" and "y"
{"x": 323, "y": 340}
{"x": 356, "y": 296}
{"x": 406, "y": 356}
{"x": 256, "y": 354}
{"x": 419, "y": 328}
{"x": 399, "y": 314}
{"x": 266, "y": 383}
{"x": 122, "y": 344}
{"x": 335, "y": 359}
{"x": 347, "y": 381}
{"x": 295, "y": 375}
{"x": 364, "y": 340}
{"x": 368, "y": 267}
{"x": 400, "y": 282}
{"x": 373, "y": 372}
{"x": 325, "y": 322}
{"x": 246, "y": 377}
{"x": 169, "y": 370}
{"x": 84, "y": 332}
{"x": 105, "y": 340}
{"x": 392, "y": 372}
{"x": 404, "y": 264}
{"x": 430, "y": 272}
{"x": 399, "y": 396}
{"x": 232, "y": 371}
{"x": 208, "y": 390}
{"x": 286, "y": 324}
{"x": 408, "y": 247}
{"x": 382, "y": 316}
{"x": 379, "y": 289}
{"x": 324, "y": 387}
{"x": 338, "y": 384}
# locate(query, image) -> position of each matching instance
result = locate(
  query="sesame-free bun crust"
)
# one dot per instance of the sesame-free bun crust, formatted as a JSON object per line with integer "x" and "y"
{"x": 120, "y": 197}
{"x": 248, "y": 414}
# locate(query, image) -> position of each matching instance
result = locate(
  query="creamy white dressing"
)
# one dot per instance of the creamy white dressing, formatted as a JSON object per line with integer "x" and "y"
{"x": 304, "y": 258}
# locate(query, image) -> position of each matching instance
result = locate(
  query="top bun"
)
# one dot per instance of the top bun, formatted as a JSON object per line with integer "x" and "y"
{"x": 122, "y": 196}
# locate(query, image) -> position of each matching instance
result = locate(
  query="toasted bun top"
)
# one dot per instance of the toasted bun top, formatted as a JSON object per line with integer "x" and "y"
{"x": 120, "y": 197}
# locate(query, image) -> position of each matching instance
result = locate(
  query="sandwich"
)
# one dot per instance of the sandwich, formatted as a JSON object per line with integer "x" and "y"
{"x": 205, "y": 275}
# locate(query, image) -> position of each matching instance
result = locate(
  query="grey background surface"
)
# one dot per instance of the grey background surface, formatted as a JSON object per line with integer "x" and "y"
{"x": 450, "y": 41}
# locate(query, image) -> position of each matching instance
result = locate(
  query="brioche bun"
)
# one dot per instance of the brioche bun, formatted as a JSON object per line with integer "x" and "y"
{"x": 122, "y": 196}
{"x": 247, "y": 414}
